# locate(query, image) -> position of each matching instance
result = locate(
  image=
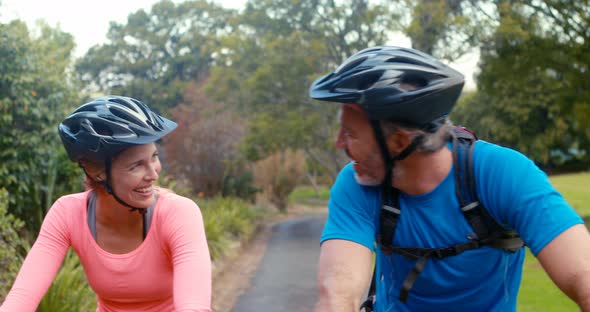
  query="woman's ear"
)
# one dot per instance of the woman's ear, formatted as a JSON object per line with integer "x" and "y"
{"x": 95, "y": 171}
{"x": 398, "y": 141}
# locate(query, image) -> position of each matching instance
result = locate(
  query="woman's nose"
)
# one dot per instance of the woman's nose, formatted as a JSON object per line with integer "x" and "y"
{"x": 153, "y": 172}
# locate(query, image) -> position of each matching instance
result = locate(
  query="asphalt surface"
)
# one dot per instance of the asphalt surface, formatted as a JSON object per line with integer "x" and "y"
{"x": 286, "y": 277}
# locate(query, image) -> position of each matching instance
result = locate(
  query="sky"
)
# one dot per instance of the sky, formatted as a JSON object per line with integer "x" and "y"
{"x": 88, "y": 21}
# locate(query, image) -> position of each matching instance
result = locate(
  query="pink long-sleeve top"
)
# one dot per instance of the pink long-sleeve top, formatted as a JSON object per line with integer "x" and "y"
{"x": 169, "y": 271}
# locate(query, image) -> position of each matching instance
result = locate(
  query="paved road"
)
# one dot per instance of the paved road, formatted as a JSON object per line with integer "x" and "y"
{"x": 286, "y": 277}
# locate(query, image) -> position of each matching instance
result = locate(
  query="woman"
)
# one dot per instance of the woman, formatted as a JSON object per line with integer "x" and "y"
{"x": 142, "y": 248}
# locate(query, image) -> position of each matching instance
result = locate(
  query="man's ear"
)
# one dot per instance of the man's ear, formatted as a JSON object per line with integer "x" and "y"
{"x": 398, "y": 141}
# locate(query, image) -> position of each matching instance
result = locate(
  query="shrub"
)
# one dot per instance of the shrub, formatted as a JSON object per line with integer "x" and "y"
{"x": 69, "y": 291}
{"x": 226, "y": 219}
{"x": 240, "y": 183}
{"x": 203, "y": 148}
{"x": 278, "y": 175}
{"x": 12, "y": 246}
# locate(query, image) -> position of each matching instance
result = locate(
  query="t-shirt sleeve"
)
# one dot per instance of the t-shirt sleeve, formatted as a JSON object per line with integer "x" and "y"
{"x": 521, "y": 196}
{"x": 184, "y": 233}
{"x": 351, "y": 210}
{"x": 42, "y": 262}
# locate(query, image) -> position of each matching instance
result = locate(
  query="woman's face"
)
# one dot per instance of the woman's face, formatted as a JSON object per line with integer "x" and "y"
{"x": 133, "y": 174}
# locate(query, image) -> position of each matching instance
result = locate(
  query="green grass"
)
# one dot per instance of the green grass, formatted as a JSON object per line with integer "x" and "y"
{"x": 306, "y": 195}
{"x": 537, "y": 292}
{"x": 227, "y": 220}
{"x": 576, "y": 190}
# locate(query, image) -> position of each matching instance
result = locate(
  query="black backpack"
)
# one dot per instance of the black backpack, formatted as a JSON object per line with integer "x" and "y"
{"x": 487, "y": 231}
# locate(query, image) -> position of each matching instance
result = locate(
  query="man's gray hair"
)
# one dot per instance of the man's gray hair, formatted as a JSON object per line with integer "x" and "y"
{"x": 431, "y": 142}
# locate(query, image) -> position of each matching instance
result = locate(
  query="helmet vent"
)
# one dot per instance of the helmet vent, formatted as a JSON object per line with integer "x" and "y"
{"x": 85, "y": 108}
{"x": 74, "y": 128}
{"x": 408, "y": 60}
{"x": 348, "y": 66}
{"x": 102, "y": 129}
{"x": 355, "y": 83}
{"x": 128, "y": 117}
{"x": 414, "y": 81}
{"x": 124, "y": 103}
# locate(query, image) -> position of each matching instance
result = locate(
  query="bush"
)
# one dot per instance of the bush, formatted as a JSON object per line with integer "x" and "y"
{"x": 240, "y": 184}
{"x": 69, "y": 291}
{"x": 12, "y": 246}
{"x": 308, "y": 195}
{"x": 204, "y": 146}
{"x": 278, "y": 175}
{"x": 226, "y": 219}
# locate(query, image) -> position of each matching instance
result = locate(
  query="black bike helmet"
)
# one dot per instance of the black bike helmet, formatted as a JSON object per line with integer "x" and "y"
{"x": 100, "y": 129}
{"x": 373, "y": 78}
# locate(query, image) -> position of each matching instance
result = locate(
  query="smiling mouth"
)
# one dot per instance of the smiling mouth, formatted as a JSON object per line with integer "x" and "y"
{"x": 145, "y": 189}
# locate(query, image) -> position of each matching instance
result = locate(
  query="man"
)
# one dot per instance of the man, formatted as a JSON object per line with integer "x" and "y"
{"x": 393, "y": 125}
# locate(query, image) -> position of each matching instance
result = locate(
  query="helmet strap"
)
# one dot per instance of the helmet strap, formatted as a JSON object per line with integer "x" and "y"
{"x": 388, "y": 160}
{"x": 110, "y": 190}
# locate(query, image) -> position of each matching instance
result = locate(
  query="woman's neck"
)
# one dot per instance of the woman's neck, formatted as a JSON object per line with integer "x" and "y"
{"x": 110, "y": 213}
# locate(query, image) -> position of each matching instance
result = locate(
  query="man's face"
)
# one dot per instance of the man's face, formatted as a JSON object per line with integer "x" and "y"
{"x": 357, "y": 139}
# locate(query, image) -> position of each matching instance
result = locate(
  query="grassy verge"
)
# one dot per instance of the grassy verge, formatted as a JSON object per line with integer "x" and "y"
{"x": 227, "y": 220}
{"x": 537, "y": 291}
{"x": 307, "y": 195}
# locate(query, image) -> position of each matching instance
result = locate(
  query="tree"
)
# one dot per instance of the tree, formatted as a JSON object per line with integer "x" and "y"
{"x": 268, "y": 64}
{"x": 202, "y": 150}
{"x": 445, "y": 28}
{"x": 157, "y": 53}
{"x": 35, "y": 95}
{"x": 526, "y": 96}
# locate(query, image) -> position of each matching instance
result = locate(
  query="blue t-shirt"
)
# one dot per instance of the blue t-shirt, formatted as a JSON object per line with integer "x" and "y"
{"x": 514, "y": 191}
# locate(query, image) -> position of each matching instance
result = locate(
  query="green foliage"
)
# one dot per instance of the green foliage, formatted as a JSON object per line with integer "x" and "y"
{"x": 525, "y": 102}
{"x": 69, "y": 291}
{"x": 35, "y": 95}
{"x": 447, "y": 29}
{"x": 226, "y": 220}
{"x": 307, "y": 195}
{"x": 268, "y": 63}
{"x": 240, "y": 184}
{"x": 12, "y": 246}
{"x": 155, "y": 54}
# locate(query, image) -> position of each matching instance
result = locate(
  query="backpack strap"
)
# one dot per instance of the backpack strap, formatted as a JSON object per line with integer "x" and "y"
{"x": 487, "y": 231}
